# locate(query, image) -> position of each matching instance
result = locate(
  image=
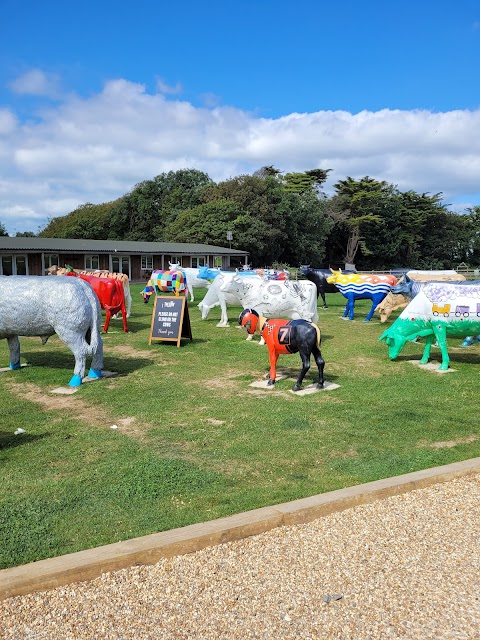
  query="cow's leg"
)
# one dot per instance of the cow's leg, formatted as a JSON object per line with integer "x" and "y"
{"x": 320, "y": 364}
{"x": 350, "y": 307}
{"x": 14, "y": 346}
{"x": 322, "y": 293}
{"x": 223, "y": 306}
{"x": 124, "y": 316}
{"x": 273, "y": 365}
{"x": 305, "y": 356}
{"x": 345, "y": 313}
{"x": 428, "y": 347}
{"x": 75, "y": 341}
{"x": 441, "y": 338}
{"x": 372, "y": 311}
{"x": 108, "y": 315}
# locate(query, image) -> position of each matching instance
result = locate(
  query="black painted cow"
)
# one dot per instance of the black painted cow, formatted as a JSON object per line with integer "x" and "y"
{"x": 319, "y": 278}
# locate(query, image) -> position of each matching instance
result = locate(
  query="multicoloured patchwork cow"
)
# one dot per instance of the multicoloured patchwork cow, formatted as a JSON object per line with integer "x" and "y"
{"x": 356, "y": 286}
{"x": 165, "y": 282}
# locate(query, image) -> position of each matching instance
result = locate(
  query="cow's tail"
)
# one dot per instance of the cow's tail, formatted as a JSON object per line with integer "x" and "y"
{"x": 319, "y": 336}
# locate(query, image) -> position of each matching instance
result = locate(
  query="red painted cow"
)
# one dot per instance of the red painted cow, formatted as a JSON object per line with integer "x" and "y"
{"x": 111, "y": 295}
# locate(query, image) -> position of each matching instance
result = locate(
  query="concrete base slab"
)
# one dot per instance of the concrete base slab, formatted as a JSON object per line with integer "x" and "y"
{"x": 5, "y": 369}
{"x": 65, "y": 391}
{"x": 263, "y": 384}
{"x": 431, "y": 366}
{"x": 220, "y": 324}
{"x": 312, "y": 388}
{"x": 88, "y": 564}
{"x": 105, "y": 374}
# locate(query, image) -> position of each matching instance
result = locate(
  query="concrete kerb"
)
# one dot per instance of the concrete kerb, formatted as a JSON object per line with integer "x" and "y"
{"x": 88, "y": 564}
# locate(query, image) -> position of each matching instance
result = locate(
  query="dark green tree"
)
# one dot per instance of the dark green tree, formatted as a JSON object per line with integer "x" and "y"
{"x": 356, "y": 210}
{"x": 88, "y": 221}
{"x": 157, "y": 202}
{"x": 3, "y": 230}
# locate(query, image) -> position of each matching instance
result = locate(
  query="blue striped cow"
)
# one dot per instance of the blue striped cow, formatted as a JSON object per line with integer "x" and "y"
{"x": 356, "y": 286}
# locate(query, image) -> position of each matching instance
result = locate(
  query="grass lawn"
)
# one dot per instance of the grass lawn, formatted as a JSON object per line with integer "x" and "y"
{"x": 196, "y": 442}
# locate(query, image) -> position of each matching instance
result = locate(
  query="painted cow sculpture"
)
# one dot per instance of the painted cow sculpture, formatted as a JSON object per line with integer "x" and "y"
{"x": 216, "y": 297}
{"x": 286, "y": 336}
{"x": 439, "y": 310}
{"x": 99, "y": 273}
{"x": 111, "y": 295}
{"x": 165, "y": 281}
{"x": 356, "y": 286}
{"x": 287, "y": 298}
{"x": 319, "y": 278}
{"x": 192, "y": 279}
{"x": 409, "y": 285}
{"x": 41, "y": 306}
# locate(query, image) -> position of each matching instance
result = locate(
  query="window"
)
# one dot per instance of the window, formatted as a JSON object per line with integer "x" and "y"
{"x": 217, "y": 261}
{"x": 147, "y": 263}
{"x": 176, "y": 260}
{"x": 50, "y": 259}
{"x": 14, "y": 266}
{"x": 198, "y": 261}
{"x": 91, "y": 263}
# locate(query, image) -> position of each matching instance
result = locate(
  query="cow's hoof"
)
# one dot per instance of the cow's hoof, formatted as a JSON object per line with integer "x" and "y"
{"x": 271, "y": 382}
{"x": 15, "y": 366}
{"x": 95, "y": 373}
{"x": 295, "y": 387}
{"x": 76, "y": 381}
{"x": 267, "y": 376}
{"x": 320, "y": 385}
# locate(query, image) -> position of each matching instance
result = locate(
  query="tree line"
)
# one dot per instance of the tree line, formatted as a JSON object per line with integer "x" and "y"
{"x": 286, "y": 220}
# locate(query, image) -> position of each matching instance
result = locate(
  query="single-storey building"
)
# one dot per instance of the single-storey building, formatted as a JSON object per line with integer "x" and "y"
{"x": 34, "y": 256}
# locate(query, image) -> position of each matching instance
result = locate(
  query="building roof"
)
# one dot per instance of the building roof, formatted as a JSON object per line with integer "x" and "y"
{"x": 63, "y": 245}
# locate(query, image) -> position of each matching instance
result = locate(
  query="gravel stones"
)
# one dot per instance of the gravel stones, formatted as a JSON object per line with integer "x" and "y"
{"x": 407, "y": 566}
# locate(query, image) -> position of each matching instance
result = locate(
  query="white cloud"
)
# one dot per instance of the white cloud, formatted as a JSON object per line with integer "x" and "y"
{"x": 37, "y": 83}
{"x": 163, "y": 87}
{"x": 96, "y": 149}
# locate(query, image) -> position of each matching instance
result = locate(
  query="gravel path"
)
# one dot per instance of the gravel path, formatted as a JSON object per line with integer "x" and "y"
{"x": 403, "y": 567}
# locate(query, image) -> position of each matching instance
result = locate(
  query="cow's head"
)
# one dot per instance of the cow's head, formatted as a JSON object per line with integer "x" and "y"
{"x": 147, "y": 292}
{"x": 404, "y": 285}
{"x": 249, "y": 319}
{"x": 395, "y": 342}
{"x": 304, "y": 268}
{"x": 228, "y": 280}
{"x": 334, "y": 277}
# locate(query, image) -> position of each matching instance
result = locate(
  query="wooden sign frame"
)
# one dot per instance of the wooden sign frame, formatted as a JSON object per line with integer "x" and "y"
{"x": 170, "y": 320}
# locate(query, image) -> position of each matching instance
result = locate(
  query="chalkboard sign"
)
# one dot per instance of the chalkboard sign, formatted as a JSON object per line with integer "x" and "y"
{"x": 170, "y": 319}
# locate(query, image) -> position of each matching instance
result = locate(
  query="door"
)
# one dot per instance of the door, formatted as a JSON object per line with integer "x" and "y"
{"x": 120, "y": 264}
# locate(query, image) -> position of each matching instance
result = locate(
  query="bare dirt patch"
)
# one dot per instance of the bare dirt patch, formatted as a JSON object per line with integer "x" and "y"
{"x": 75, "y": 407}
{"x": 349, "y": 453}
{"x": 449, "y": 444}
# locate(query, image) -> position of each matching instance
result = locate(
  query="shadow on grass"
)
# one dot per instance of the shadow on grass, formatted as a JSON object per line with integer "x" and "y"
{"x": 436, "y": 356}
{"x": 61, "y": 360}
{"x": 9, "y": 440}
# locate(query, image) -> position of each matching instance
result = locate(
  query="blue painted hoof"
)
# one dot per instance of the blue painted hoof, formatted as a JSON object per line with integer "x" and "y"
{"x": 76, "y": 381}
{"x": 15, "y": 366}
{"x": 466, "y": 343}
{"x": 95, "y": 373}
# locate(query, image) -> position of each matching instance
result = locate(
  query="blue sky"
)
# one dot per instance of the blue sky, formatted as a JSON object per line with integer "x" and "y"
{"x": 97, "y": 96}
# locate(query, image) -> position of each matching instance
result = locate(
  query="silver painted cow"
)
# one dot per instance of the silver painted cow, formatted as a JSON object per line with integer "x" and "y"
{"x": 439, "y": 310}
{"x": 41, "y": 306}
